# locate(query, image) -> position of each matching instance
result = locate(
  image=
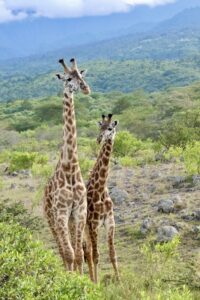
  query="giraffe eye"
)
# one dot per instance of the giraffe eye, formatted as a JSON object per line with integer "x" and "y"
{"x": 109, "y": 129}
{"x": 69, "y": 79}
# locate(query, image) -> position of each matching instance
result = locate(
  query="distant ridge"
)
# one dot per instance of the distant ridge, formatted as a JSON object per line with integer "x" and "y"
{"x": 188, "y": 18}
{"x": 41, "y": 35}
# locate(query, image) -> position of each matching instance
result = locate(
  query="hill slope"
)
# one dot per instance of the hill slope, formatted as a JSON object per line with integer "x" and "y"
{"x": 39, "y": 35}
{"x": 168, "y": 56}
{"x": 103, "y": 76}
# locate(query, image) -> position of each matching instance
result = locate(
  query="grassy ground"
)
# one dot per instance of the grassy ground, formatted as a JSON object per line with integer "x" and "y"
{"x": 145, "y": 187}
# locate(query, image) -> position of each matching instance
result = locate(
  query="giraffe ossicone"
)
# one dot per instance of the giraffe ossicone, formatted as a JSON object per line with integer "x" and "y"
{"x": 65, "y": 202}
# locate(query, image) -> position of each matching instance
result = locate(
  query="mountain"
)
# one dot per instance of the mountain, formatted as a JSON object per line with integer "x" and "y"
{"x": 176, "y": 38}
{"x": 187, "y": 19}
{"x": 40, "y": 35}
{"x": 165, "y": 56}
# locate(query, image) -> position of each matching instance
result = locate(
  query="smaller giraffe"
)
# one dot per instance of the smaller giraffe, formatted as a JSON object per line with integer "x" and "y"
{"x": 100, "y": 205}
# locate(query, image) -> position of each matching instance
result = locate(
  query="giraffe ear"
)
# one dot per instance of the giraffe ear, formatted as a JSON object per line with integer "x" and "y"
{"x": 115, "y": 123}
{"x": 59, "y": 76}
{"x": 99, "y": 123}
{"x": 83, "y": 73}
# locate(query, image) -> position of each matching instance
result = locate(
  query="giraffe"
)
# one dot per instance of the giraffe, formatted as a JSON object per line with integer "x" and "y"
{"x": 65, "y": 201}
{"x": 100, "y": 205}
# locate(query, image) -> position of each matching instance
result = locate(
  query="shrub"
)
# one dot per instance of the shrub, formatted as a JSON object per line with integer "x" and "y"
{"x": 28, "y": 271}
{"x": 132, "y": 151}
{"x": 126, "y": 144}
{"x": 173, "y": 153}
{"x": 43, "y": 170}
{"x": 145, "y": 156}
{"x": 23, "y": 160}
{"x": 181, "y": 129}
{"x": 94, "y": 147}
{"x": 16, "y": 212}
{"x": 192, "y": 158}
{"x": 22, "y": 123}
{"x": 9, "y": 138}
{"x": 85, "y": 165}
{"x": 127, "y": 161}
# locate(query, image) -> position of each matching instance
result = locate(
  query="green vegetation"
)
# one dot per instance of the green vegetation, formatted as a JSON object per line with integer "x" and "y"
{"x": 29, "y": 271}
{"x": 154, "y": 278}
{"x": 23, "y": 160}
{"x": 36, "y": 273}
{"x": 192, "y": 158}
{"x": 163, "y": 125}
{"x": 153, "y": 128}
{"x": 153, "y": 61}
{"x": 104, "y": 76}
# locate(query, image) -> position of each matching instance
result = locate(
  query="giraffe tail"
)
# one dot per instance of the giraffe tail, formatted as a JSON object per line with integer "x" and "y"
{"x": 84, "y": 245}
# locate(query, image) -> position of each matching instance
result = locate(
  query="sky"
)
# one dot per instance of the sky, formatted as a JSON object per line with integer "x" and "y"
{"x": 12, "y": 10}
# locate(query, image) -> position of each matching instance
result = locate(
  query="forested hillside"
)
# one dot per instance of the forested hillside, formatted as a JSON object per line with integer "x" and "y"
{"x": 167, "y": 56}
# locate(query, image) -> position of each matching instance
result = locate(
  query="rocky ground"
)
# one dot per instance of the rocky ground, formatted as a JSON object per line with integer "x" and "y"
{"x": 153, "y": 201}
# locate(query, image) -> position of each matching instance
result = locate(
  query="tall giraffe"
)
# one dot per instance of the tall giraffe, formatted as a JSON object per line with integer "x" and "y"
{"x": 100, "y": 206}
{"x": 65, "y": 202}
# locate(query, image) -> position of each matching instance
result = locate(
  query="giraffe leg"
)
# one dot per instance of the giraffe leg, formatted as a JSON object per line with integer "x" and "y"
{"x": 72, "y": 229}
{"x": 51, "y": 222}
{"x": 95, "y": 251}
{"x": 80, "y": 221}
{"x": 88, "y": 253}
{"x": 79, "y": 255}
{"x": 63, "y": 234}
{"x": 110, "y": 229}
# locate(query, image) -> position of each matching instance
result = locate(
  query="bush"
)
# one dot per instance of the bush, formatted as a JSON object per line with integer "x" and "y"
{"x": 126, "y": 144}
{"x": 28, "y": 271}
{"x": 176, "y": 135}
{"x": 22, "y": 160}
{"x": 23, "y": 123}
{"x": 85, "y": 165}
{"x": 43, "y": 170}
{"x": 145, "y": 156}
{"x": 9, "y": 138}
{"x": 192, "y": 158}
{"x": 132, "y": 151}
{"x": 16, "y": 212}
{"x": 127, "y": 161}
{"x": 173, "y": 153}
{"x": 182, "y": 129}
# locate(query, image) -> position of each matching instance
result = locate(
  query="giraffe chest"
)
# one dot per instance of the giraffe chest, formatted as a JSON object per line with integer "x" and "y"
{"x": 100, "y": 210}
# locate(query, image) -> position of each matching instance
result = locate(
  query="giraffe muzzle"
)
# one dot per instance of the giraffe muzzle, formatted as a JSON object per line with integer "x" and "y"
{"x": 86, "y": 90}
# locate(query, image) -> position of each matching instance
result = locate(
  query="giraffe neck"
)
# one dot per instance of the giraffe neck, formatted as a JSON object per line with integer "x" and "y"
{"x": 69, "y": 148}
{"x": 101, "y": 168}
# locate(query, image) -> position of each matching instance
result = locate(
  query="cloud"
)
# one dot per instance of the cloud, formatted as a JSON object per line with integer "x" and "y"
{"x": 7, "y": 14}
{"x": 11, "y": 10}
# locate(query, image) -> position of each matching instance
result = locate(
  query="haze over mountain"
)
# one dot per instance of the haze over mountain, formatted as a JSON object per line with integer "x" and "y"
{"x": 40, "y": 35}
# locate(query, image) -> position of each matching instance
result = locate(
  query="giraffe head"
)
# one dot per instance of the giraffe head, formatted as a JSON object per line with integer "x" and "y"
{"x": 73, "y": 78}
{"x": 107, "y": 129}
